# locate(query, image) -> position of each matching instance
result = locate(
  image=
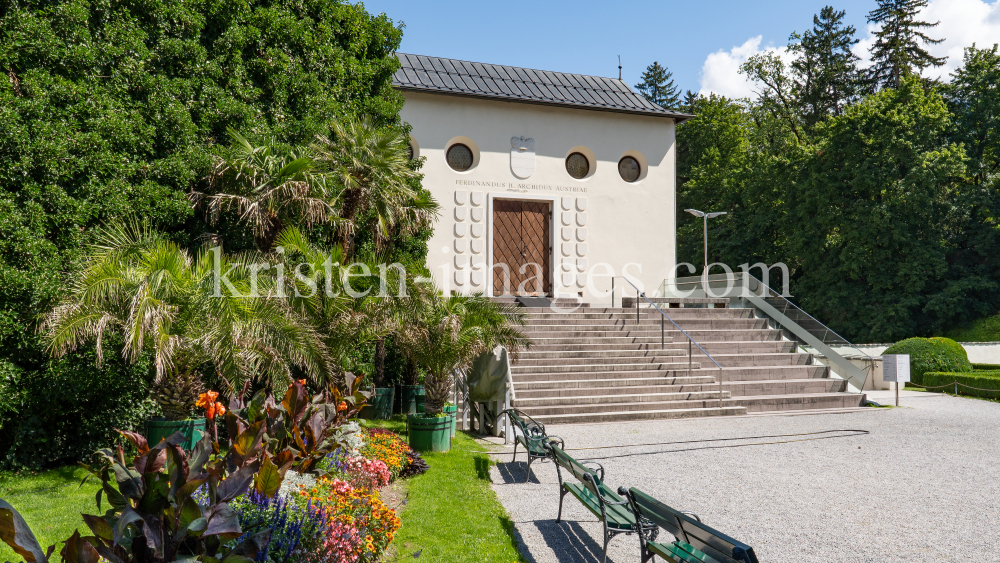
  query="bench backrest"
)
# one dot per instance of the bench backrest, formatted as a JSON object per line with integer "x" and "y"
{"x": 528, "y": 429}
{"x": 592, "y": 481}
{"x": 688, "y": 530}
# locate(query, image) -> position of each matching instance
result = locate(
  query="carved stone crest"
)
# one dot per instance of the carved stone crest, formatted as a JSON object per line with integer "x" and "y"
{"x": 522, "y": 156}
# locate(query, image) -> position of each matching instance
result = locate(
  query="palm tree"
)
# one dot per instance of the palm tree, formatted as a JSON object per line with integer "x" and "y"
{"x": 185, "y": 310}
{"x": 445, "y": 334}
{"x": 270, "y": 186}
{"x": 345, "y": 321}
{"x": 371, "y": 168}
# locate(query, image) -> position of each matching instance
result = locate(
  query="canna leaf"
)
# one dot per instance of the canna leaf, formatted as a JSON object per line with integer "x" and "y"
{"x": 14, "y": 531}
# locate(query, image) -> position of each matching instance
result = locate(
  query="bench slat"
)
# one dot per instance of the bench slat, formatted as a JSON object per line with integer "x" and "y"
{"x": 619, "y": 515}
{"x": 679, "y": 552}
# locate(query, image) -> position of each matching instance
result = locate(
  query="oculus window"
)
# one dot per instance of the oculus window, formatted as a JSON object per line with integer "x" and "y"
{"x": 629, "y": 169}
{"x": 577, "y": 165}
{"x": 459, "y": 157}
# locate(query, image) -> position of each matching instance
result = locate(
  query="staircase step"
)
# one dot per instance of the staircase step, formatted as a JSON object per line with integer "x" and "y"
{"x": 592, "y": 383}
{"x": 611, "y": 359}
{"x": 799, "y": 401}
{"x": 584, "y": 391}
{"x": 638, "y": 415}
{"x": 533, "y": 402}
{"x": 784, "y": 386}
{"x": 563, "y": 367}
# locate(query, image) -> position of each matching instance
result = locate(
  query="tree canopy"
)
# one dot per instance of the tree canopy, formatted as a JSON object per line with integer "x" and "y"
{"x": 899, "y": 49}
{"x": 658, "y": 86}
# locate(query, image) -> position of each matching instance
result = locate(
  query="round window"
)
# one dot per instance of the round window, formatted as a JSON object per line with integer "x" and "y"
{"x": 628, "y": 168}
{"x": 577, "y": 165}
{"x": 410, "y": 147}
{"x": 460, "y": 157}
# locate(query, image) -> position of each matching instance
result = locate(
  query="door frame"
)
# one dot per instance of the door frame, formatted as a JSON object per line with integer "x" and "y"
{"x": 553, "y": 212}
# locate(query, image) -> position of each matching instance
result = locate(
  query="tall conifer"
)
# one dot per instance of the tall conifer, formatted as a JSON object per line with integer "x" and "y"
{"x": 658, "y": 86}
{"x": 899, "y": 50}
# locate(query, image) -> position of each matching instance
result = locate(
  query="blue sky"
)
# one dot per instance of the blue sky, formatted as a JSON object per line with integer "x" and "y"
{"x": 586, "y": 36}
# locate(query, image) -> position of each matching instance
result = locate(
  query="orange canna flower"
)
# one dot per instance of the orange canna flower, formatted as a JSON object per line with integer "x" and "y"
{"x": 220, "y": 409}
{"x": 206, "y": 399}
{"x": 342, "y": 406}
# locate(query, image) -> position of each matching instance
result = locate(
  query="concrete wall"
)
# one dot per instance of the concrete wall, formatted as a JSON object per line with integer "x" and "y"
{"x": 598, "y": 219}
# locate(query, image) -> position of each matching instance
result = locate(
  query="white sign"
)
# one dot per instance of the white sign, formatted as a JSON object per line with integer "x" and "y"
{"x": 522, "y": 156}
{"x": 896, "y": 367}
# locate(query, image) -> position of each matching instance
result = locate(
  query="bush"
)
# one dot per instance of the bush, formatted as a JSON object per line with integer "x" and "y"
{"x": 978, "y": 380}
{"x": 931, "y": 354}
{"x": 64, "y": 412}
{"x": 986, "y": 367}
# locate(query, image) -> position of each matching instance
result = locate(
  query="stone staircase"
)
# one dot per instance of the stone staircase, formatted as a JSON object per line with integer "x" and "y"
{"x": 597, "y": 364}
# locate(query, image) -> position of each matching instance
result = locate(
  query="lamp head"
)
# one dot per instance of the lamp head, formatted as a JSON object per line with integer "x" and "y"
{"x": 716, "y": 214}
{"x": 695, "y": 212}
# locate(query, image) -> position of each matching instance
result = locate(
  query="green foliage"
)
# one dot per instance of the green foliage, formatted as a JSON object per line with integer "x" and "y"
{"x": 825, "y": 73}
{"x": 986, "y": 367}
{"x": 875, "y": 215}
{"x": 658, "y": 86}
{"x": 61, "y": 413}
{"x": 898, "y": 50}
{"x": 984, "y": 384}
{"x": 113, "y": 110}
{"x": 931, "y": 354}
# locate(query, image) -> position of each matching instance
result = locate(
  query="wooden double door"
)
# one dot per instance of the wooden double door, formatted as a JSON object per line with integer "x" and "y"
{"x": 522, "y": 247}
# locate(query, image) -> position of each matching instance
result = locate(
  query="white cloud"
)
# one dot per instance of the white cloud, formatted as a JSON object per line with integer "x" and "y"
{"x": 963, "y": 22}
{"x": 721, "y": 72}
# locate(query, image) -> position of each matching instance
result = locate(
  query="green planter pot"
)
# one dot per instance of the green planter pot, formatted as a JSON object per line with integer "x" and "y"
{"x": 452, "y": 412}
{"x": 380, "y": 404}
{"x": 193, "y": 429}
{"x": 413, "y": 399}
{"x": 429, "y": 433}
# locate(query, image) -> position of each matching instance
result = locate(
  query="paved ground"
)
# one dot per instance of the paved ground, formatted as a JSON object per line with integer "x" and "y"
{"x": 924, "y": 485}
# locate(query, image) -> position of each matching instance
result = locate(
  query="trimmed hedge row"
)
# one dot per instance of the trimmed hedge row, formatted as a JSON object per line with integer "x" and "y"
{"x": 979, "y": 379}
{"x": 986, "y": 367}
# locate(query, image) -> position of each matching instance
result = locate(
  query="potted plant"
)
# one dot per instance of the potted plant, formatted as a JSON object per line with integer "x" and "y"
{"x": 446, "y": 334}
{"x": 177, "y": 393}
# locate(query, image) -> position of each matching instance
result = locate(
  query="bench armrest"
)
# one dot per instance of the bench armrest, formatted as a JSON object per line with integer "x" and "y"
{"x": 691, "y": 514}
{"x": 600, "y": 467}
{"x": 554, "y": 438}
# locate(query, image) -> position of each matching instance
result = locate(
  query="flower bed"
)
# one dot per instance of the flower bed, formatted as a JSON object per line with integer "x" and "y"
{"x": 338, "y": 517}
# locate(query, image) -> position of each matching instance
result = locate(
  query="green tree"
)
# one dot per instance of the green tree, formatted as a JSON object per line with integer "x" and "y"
{"x": 269, "y": 187}
{"x": 181, "y": 310}
{"x": 825, "y": 73}
{"x": 899, "y": 50}
{"x": 444, "y": 334}
{"x": 874, "y": 215}
{"x": 371, "y": 169}
{"x": 658, "y": 86}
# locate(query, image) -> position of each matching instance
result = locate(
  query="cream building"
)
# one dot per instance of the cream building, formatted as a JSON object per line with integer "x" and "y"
{"x": 550, "y": 183}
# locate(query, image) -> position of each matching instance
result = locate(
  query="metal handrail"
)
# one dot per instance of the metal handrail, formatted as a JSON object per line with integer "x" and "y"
{"x": 799, "y": 309}
{"x": 823, "y": 342}
{"x": 688, "y": 336}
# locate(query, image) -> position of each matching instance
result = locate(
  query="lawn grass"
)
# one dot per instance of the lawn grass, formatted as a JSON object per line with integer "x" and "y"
{"x": 452, "y": 515}
{"x": 985, "y": 329}
{"x": 50, "y": 502}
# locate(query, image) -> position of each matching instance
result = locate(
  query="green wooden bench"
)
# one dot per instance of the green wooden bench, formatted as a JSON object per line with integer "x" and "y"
{"x": 532, "y": 436}
{"x": 694, "y": 541}
{"x": 613, "y": 510}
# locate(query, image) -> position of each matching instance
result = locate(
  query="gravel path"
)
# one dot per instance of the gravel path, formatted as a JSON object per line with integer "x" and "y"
{"x": 922, "y": 486}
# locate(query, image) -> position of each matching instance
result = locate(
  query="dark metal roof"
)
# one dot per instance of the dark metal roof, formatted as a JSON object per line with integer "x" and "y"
{"x": 514, "y": 84}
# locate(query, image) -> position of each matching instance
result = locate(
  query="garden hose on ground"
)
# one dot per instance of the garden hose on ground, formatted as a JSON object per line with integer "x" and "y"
{"x": 846, "y": 433}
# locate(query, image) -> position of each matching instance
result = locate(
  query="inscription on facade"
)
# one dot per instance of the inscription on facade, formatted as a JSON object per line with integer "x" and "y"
{"x": 521, "y": 187}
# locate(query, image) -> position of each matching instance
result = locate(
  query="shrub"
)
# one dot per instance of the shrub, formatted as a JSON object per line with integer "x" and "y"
{"x": 975, "y": 382}
{"x": 64, "y": 412}
{"x": 986, "y": 367}
{"x": 931, "y": 354}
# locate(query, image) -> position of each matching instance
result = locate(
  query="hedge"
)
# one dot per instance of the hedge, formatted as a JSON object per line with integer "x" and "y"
{"x": 979, "y": 380}
{"x": 986, "y": 367}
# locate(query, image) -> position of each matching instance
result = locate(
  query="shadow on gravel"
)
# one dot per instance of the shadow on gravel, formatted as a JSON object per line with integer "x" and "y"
{"x": 512, "y": 473}
{"x": 570, "y": 543}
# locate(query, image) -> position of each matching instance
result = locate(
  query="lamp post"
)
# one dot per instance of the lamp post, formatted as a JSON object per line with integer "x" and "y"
{"x": 706, "y": 216}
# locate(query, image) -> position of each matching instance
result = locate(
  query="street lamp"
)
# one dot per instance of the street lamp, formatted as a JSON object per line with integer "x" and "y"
{"x": 706, "y": 216}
